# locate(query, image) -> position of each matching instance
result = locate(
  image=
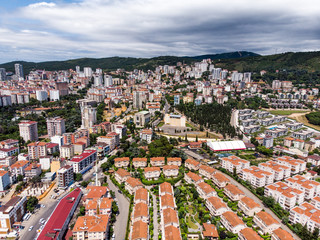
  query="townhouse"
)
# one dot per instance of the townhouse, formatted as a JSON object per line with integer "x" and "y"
{"x": 132, "y": 185}
{"x": 249, "y": 206}
{"x": 280, "y": 234}
{"x": 216, "y": 206}
{"x": 98, "y": 206}
{"x": 232, "y": 222}
{"x": 205, "y": 190}
{"x": 165, "y": 188}
{"x": 193, "y": 178}
{"x": 220, "y": 180}
{"x": 139, "y": 231}
{"x": 248, "y": 234}
{"x": 296, "y": 165}
{"x": 172, "y": 233}
{"x": 266, "y": 222}
{"x": 170, "y": 171}
{"x": 206, "y": 171}
{"x": 256, "y": 176}
{"x": 140, "y": 212}
{"x": 210, "y": 232}
{"x": 139, "y": 162}
{"x": 121, "y": 175}
{"x": 122, "y": 162}
{"x": 234, "y": 163}
{"x": 233, "y": 192}
{"x": 152, "y": 173}
{"x": 309, "y": 187}
{"x": 141, "y": 196}
{"x": 169, "y": 218}
{"x": 174, "y": 161}
{"x": 167, "y": 201}
{"x": 279, "y": 171}
{"x": 286, "y": 196}
{"x": 192, "y": 164}
{"x": 157, "y": 161}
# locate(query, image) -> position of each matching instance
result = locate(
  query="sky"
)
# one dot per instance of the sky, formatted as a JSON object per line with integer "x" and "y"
{"x": 32, "y": 30}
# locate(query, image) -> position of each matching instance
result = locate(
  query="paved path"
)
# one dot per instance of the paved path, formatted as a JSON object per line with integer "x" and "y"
{"x": 256, "y": 199}
{"x": 120, "y": 225}
{"x": 155, "y": 218}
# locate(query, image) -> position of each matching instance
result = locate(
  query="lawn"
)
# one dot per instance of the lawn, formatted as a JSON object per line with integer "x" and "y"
{"x": 285, "y": 112}
{"x": 190, "y": 222}
{"x": 160, "y": 124}
{"x": 191, "y": 126}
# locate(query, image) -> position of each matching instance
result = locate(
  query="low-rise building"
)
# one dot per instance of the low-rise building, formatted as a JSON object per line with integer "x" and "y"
{"x": 174, "y": 161}
{"x": 257, "y": 177}
{"x": 141, "y": 196}
{"x": 280, "y": 234}
{"x": 18, "y": 168}
{"x": 266, "y": 222}
{"x": 132, "y": 185}
{"x": 220, "y": 180}
{"x": 157, "y": 161}
{"x": 232, "y": 222}
{"x": 122, "y": 162}
{"x": 139, "y": 162}
{"x": 91, "y": 227}
{"x": 121, "y": 175}
{"x": 207, "y": 171}
{"x": 249, "y": 206}
{"x": 248, "y": 234}
{"x": 205, "y": 190}
{"x": 210, "y": 232}
{"x": 152, "y": 173}
{"x": 139, "y": 231}
{"x": 172, "y": 233}
{"x": 233, "y": 192}
{"x": 4, "y": 180}
{"x": 146, "y": 135}
{"x": 33, "y": 170}
{"x": 140, "y": 212}
{"x": 169, "y": 218}
{"x": 309, "y": 187}
{"x": 192, "y": 178}
{"x": 170, "y": 171}
{"x": 192, "y": 164}
{"x": 66, "y": 151}
{"x": 233, "y": 162}
{"x": 296, "y": 165}
{"x": 167, "y": 201}
{"x": 279, "y": 171}
{"x": 165, "y": 188}
{"x": 216, "y": 206}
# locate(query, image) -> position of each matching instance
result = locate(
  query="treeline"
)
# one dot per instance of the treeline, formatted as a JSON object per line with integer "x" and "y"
{"x": 314, "y": 118}
{"x": 214, "y": 116}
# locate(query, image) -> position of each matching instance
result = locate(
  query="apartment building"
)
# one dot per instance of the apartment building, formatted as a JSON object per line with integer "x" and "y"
{"x": 121, "y": 175}
{"x": 174, "y": 161}
{"x": 8, "y": 152}
{"x": 37, "y": 150}
{"x": 4, "y": 180}
{"x": 210, "y": 232}
{"x": 18, "y": 168}
{"x": 157, "y": 161}
{"x": 257, "y": 177}
{"x": 91, "y": 227}
{"x": 56, "y": 126}
{"x": 152, "y": 173}
{"x": 279, "y": 171}
{"x": 205, "y": 190}
{"x": 249, "y": 206}
{"x": 192, "y": 164}
{"x": 81, "y": 163}
{"x": 33, "y": 170}
{"x": 220, "y": 180}
{"x": 233, "y": 192}
{"x": 216, "y": 206}
{"x": 132, "y": 185}
{"x": 309, "y": 187}
{"x": 193, "y": 178}
{"x": 65, "y": 176}
{"x": 28, "y": 130}
{"x": 232, "y": 222}
{"x": 122, "y": 162}
{"x": 266, "y": 222}
{"x": 139, "y": 162}
{"x": 146, "y": 135}
{"x": 101, "y": 205}
{"x": 170, "y": 171}
{"x": 233, "y": 162}
{"x": 316, "y": 202}
{"x": 286, "y": 196}
{"x": 67, "y": 151}
{"x": 206, "y": 171}
{"x": 296, "y": 165}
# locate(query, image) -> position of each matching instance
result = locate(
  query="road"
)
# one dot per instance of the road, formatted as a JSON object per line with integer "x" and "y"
{"x": 156, "y": 229}
{"x": 257, "y": 200}
{"x": 120, "y": 225}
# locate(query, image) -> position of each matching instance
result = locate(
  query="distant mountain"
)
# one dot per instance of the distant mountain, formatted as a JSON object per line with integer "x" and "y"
{"x": 113, "y": 63}
{"x": 241, "y": 61}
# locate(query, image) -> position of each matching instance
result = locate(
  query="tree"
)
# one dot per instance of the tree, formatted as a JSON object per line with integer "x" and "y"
{"x": 82, "y": 211}
{"x": 196, "y": 138}
{"x": 84, "y": 184}
{"x": 78, "y": 177}
{"x": 260, "y": 191}
{"x": 32, "y": 203}
{"x": 19, "y": 178}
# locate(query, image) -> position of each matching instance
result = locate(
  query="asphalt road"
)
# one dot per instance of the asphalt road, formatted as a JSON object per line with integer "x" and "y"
{"x": 120, "y": 225}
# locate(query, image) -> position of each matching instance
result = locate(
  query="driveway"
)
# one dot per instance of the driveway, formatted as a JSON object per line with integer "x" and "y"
{"x": 120, "y": 225}
{"x": 256, "y": 199}
{"x": 156, "y": 229}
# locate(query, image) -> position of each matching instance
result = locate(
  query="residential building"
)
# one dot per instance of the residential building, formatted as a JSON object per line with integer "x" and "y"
{"x": 37, "y": 150}
{"x": 192, "y": 164}
{"x": 256, "y": 176}
{"x": 18, "y": 168}
{"x": 207, "y": 171}
{"x": 65, "y": 176}
{"x": 139, "y": 162}
{"x": 266, "y": 222}
{"x": 122, "y": 162}
{"x": 91, "y": 227}
{"x": 146, "y": 135}
{"x": 210, "y": 232}
{"x": 83, "y": 162}
{"x": 88, "y": 116}
{"x": 67, "y": 151}
{"x": 309, "y": 187}
{"x": 132, "y": 185}
{"x": 141, "y": 119}
{"x": 279, "y": 171}
{"x": 121, "y": 175}
{"x": 139, "y": 231}
{"x": 280, "y": 234}
{"x": 140, "y": 212}
{"x": 141, "y": 196}
{"x": 7, "y": 152}
{"x": 174, "y": 161}
{"x": 305, "y": 214}
{"x": 249, "y": 206}
{"x": 205, "y": 190}
{"x": 234, "y": 163}
{"x": 296, "y": 165}
{"x": 157, "y": 161}
{"x": 220, "y": 180}
{"x": 172, "y": 233}
{"x": 165, "y": 188}
{"x": 232, "y": 222}
{"x": 170, "y": 171}
{"x": 216, "y": 206}
{"x": 56, "y": 126}
{"x": 233, "y": 192}
{"x": 314, "y": 159}
{"x": 152, "y": 173}
{"x": 167, "y": 201}
{"x": 99, "y": 206}
{"x": 33, "y": 170}
{"x": 192, "y": 178}
{"x": 169, "y": 217}
{"x": 28, "y": 130}
{"x": 4, "y": 180}
{"x": 316, "y": 202}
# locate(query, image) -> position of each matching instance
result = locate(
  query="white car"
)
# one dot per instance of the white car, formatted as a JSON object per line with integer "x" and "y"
{"x": 30, "y": 228}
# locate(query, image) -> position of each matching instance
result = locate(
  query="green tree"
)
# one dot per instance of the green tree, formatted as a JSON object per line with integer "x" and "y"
{"x": 78, "y": 177}
{"x": 32, "y": 202}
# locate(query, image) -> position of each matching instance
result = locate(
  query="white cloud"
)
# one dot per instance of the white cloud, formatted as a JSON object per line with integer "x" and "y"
{"x": 144, "y": 28}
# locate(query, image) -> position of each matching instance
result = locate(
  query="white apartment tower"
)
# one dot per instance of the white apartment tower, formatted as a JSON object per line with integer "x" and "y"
{"x": 88, "y": 116}
{"x": 28, "y": 130}
{"x": 2, "y": 74}
{"x": 19, "y": 70}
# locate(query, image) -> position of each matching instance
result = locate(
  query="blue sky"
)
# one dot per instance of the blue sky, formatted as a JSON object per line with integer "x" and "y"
{"x": 34, "y": 30}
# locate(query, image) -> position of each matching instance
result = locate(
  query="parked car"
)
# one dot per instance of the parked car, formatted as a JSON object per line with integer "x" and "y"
{"x": 30, "y": 228}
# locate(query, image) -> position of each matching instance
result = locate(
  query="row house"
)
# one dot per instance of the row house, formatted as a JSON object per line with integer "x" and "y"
{"x": 157, "y": 161}
{"x": 122, "y": 162}
{"x": 205, "y": 190}
{"x": 249, "y": 122}
{"x": 286, "y": 196}
{"x": 256, "y": 176}
{"x": 132, "y": 185}
{"x": 170, "y": 171}
{"x": 121, "y": 175}
{"x": 165, "y": 188}
{"x": 192, "y": 178}
{"x": 296, "y": 165}
{"x": 167, "y": 201}
{"x": 249, "y": 206}
{"x": 192, "y": 164}
{"x": 309, "y": 187}
{"x": 99, "y": 206}
{"x": 141, "y": 196}
{"x": 139, "y": 162}
{"x": 251, "y": 129}
{"x": 216, "y": 206}
{"x": 174, "y": 161}
{"x": 303, "y": 134}
{"x": 233, "y": 162}
{"x": 266, "y": 222}
{"x": 140, "y": 212}
{"x": 248, "y": 234}
{"x": 207, "y": 171}
{"x": 152, "y": 173}
{"x": 232, "y": 222}
{"x": 306, "y": 214}
{"x": 169, "y": 218}
{"x": 279, "y": 171}
{"x": 139, "y": 231}
{"x": 172, "y": 233}
{"x": 233, "y": 192}
{"x": 210, "y": 232}
{"x": 220, "y": 180}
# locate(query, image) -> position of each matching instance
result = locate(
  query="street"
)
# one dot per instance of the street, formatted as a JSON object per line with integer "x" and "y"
{"x": 120, "y": 225}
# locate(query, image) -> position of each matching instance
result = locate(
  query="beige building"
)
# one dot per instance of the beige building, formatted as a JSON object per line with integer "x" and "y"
{"x": 157, "y": 161}
{"x": 192, "y": 164}
{"x": 121, "y": 175}
{"x": 142, "y": 118}
{"x": 28, "y": 130}
{"x": 67, "y": 151}
{"x": 152, "y": 173}
{"x": 175, "y": 120}
{"x": 266, "y": 222}
{"x": 132, "y": 185}
{"x": 249, "y": 206}
{"x": 170, "y": 170}
{"x": 121, "y": 162}
{"x": 91, "y": 227}
{"x": 216, "y": 206}
{"x": 139, "y": 162}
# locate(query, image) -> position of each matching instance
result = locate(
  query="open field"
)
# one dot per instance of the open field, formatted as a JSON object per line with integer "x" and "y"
{"x": 301, "y": 117}
{"x": 285, "y": 112}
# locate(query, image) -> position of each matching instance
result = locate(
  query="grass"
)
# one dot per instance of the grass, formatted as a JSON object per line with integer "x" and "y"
{"x": 191, "y": 223}
{"x": 285, "y": 112}
{"x": 160, "y": 124}
{"x": 190, "y": 210}
{"x": 191, "y": 126}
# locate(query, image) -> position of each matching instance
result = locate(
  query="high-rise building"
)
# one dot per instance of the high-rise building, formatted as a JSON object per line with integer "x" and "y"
{"x": 56, "y": 126}
{"x": 108, "y": 81}
{"x": 216, "y": 73}
{"x": 2, "y": 74}
{"x": 87, "y": 71}
{"x": 63, "y": 88}
{"x": 42, "y": 95}
{"x": 19, "y": 70}
{"x": 88, "y": 116}
{"x": 276, "y": 84}
{"x": 77, "y": 69}
{"x": 247, "y": 77}
{"x": 97, "y": 80}
{"x": 28, "y": 130}
{"x": 54, "y": 95}
{"x": 65, "y": 176}
{"x": 176, "y": 100}
{"x": 139, "y": 98}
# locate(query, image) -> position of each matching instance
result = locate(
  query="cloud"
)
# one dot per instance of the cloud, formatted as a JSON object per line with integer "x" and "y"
{"x": 146, "y": 28}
